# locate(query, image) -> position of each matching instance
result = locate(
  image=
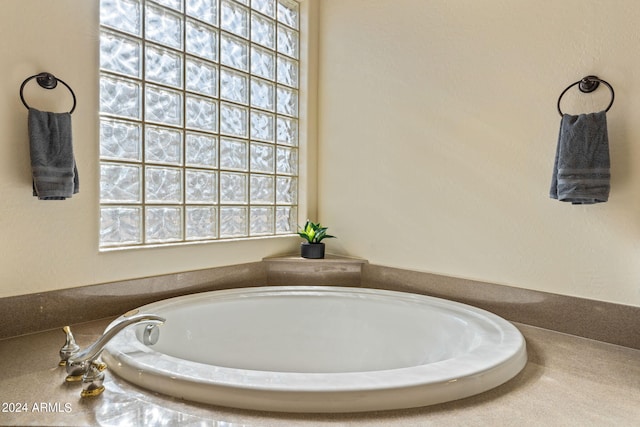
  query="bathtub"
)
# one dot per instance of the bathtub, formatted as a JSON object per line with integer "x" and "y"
{"x": 318, "y": 349}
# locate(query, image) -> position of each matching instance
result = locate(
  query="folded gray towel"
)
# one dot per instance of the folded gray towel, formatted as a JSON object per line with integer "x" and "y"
{"x": 53, "y": 167}
{"x": 581, "y": 171}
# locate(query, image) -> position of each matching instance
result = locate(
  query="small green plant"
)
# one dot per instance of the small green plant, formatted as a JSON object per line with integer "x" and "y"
{"x": 314, "y": 233}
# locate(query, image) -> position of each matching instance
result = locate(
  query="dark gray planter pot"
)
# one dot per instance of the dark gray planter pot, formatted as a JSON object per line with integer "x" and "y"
{"x": 312, "y": 250}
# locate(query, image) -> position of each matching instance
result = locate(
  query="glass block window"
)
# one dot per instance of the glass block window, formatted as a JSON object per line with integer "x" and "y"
{"x": 198, "y": 120}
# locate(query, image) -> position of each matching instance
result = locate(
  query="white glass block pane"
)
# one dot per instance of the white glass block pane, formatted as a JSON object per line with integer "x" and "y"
{"x": 202, "y": 187}
{"x": 202, "y": 41}
{"x": 120, "y": 225}
{"x": 233, "y": 221}
{"x": 286, "y": 219}
{"x": 163, "y": 27}
{"x": 163, "y": 66}
{"x": 262, "y": 126}
{"x": 163, "y": 145}
{"x": 163, "y": 224}
{"x": 263, "y": 94}
{"x": 233, "y": 188}
{"x": 173, "y": 4}
{"x": 287, "y": 131}
{"x": 202, "y": 77}
{"x": 120, "y": 183}
{"x": 204, "y": 10}
{"x": 120, "y": 140}
{"x": 286, "y": 190}
{"x": 287, "y": 101}
{"x": 287, "y": 41}
{"x": 120, "y": 54}
{"x": 263, "y": 31}
{"x": 202, "y": 113}
{"x": 163, "y": 185}
{"x": 202, "y": 223}
{"x": 233, "y": 154}
{"x": 201, "y": 150}
{"x": 288, "y": 13}
{"x": 245, "y": 2}
{"x": 234, "y": 86}
{"x": 124, "y": 15}
{"x": 262, "y": 189}
{"x": 262, "y": 221}
{"x": 287, "y": 162}
{"x": 234, "y": 18}
{"x": 234, "y": 52}
{"x": 268, "y": 7}
{"x": 120, "y": 97}
{"x": 233, "y": 120}
{"x": 287, "y": 71}
{"x": 163, "y": 105}
{"x": 262, "y": 157}
{"x": 263, "y": 63}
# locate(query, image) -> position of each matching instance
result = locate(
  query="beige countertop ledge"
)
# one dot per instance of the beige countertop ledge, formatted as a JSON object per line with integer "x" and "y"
{"x": 568, "y": 381}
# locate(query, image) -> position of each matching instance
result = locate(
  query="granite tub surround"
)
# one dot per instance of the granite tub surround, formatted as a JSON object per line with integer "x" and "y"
{"x": 332, "y": 270}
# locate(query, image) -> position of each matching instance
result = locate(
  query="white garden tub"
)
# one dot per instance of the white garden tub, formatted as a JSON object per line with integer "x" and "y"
{"x": 319, "y": 349}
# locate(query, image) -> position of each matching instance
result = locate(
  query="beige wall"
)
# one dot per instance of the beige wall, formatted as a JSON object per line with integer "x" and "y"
{"x": 438, "y": 128}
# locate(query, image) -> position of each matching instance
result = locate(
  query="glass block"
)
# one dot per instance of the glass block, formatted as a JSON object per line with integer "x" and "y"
{"x": 287, "y": 71}
{"x": 287, "y": 41}
{"x": 233, "y": 221}
{"x": 262, "y": 189}
{"x": 120, "y": 183}
{"x": 163, "y": 145}
{"x": 233, "y": 154}
{"x": 261, "y": 221}
{"x": 244, "y": 2}
{"x": 120, "y": 54}
{"x": 268, "y": 7}
{"x": 202, "y": 223}
{"x": 120, "y": 225}
{"x": 120, "y": 140}
{"x": 201, "y": 187}
{"x": 202, "y": 41}
{"x": 287, "y": 161}
{"x": 286, "y": 219}
{"x": 288, "y": 13}
{"x": 201, "y": 77}
{"x": 120, "y": 97}
{"x": 234, "y": 86}
{"x": 201, "y": 150}
{"x": 163, "y": 66}
{"x": 234, "y": 52}
{"x": 287, "y": 101}
{"x": 163, "y": 105}
{"x": 163, "y": 224}
{"x": 173, "y": 4}
{"x": 263, "y": 63}
{"x": 164, "y": 27}
{"x": 204, "y": 10}
{"x": 233, "y": 120}
{"x": 234, "y": 18}
{"x": 163, "y": 185}
{"x": 286, "y": 190}
{"x": 263, "y": 94}
{"x": 202, "y": 113}
{"x": 263, "y": 31}
{"x": 262, "y": 126}
{"x": 124, "y": 15}
{"x": 233, "y": 188}
{"x": 262, "y": 157}
{"x": 287, "y": 131}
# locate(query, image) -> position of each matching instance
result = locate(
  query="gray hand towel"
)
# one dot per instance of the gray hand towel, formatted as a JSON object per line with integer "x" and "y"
{"x": 581, "y": 171}
{"x": 55, "y": 176}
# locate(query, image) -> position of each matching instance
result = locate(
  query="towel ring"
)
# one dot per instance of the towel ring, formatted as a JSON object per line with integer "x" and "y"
{"x": 587, "y": 85}
{"x": 46, "y": 81}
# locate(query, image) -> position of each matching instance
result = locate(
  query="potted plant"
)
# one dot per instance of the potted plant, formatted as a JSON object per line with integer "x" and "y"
{"x": 313, "y": 234}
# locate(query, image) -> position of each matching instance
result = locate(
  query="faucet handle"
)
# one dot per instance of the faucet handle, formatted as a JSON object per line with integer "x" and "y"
{"x": 93, "y": 379}
{"x": 69, "y": 348}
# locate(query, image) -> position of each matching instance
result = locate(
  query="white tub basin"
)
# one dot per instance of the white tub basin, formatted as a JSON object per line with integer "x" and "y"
{"x": 319, "y": 349}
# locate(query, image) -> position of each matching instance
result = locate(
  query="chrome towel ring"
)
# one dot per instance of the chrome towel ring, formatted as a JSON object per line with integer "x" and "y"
{"x": 46, "y": 81}
{"x": 587, "y": 85}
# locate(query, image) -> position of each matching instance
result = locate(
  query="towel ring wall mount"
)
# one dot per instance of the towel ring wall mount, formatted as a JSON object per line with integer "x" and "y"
{"x": 46, "y": 81}
{"x": 587, "y": 85}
